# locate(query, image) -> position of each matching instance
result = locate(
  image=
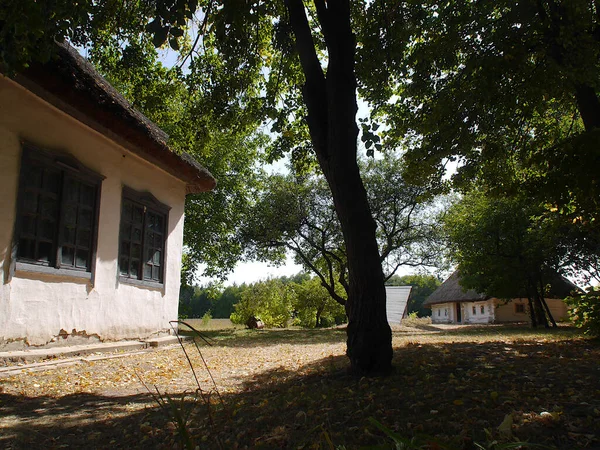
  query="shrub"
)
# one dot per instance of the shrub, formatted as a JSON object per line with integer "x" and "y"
{"x": 269, "y": 301}
{"x": 206, "y": 318}
{"x": 585, "y": 311}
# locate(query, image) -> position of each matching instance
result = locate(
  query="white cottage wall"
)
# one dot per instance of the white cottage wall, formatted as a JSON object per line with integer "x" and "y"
{"x": 35, "y": 307}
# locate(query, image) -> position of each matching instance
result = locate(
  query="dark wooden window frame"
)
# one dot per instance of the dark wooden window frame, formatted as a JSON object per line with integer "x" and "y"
{"x": 67, "y": 168}
{"x": 151, "y": 206}
{"x": 519, "y": 306}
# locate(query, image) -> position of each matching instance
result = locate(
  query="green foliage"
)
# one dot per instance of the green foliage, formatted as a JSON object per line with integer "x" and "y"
{"x": 296, "y": 213}
{"x": 422, "y": 287}
{"x": 270, "y": 301}
{"x": 231, "y": 150}
{"x": 508, "y": 89}
{"x": 313, "y": 306}
{"x": 584, "y": 311}
{"x": 206, "y": 318}
{"x": 502, "y": 246}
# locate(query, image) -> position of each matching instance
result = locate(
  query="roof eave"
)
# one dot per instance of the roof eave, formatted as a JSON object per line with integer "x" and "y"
{"x": 109, "y": 114}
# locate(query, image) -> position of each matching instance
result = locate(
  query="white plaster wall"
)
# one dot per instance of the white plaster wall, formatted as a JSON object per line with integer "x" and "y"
{"x": 35, "y": 306}
{"x": 478, "y": 317}
{"x": 445, "y": 313}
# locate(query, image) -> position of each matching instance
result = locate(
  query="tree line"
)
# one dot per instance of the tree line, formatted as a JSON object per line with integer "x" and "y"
{"x": 299, "y": 300}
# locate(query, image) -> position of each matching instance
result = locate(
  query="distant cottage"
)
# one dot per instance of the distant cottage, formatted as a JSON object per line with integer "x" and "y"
{"x": 451, "y": 303}
{"x": 92, "y": 207}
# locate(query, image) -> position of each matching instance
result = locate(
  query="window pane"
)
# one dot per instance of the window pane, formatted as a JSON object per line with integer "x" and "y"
{"x": 70, "y": 215}
{"x": 30, "y": 202}
{"x": 85, "y": 218}
{"x": 138, "y": 215}
{"x": 68, "y": 256}
{"x": 28, "y": 225}
{"x": 49, "y": 207}
{"x": 124, "y": 265}
{"x": 83, "y": 238}
{"x": 44, "y": 251}
{"x": 125, "y": 249}
{"x": 149, "y": 255}
{"x": 47, "y": 229}
{"x": 33, "y": 176}
{"x": 137, "y": 235}
{"x": 26, "y": 248}
{"x": 136, "y": 251}
{"x": 156, "y": 273}
{"x": 72, "y": 190}
{"x": 147, "y": 271}
{"x": 82, "y": 258}
{"x": 159, "y": 224}
{"x": 127, "y": 210}
{"x": 51, "y": 181}
{"x": 134, "y": 268}
{"x": 156, "y": 258}
{"x": 68, "y": 235}
{"x": 88, "y": 195}
{"x": 125, "y": 232}
{"x": 158, "y": 241}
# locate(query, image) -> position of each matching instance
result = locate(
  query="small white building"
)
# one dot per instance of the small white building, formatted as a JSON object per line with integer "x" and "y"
{"x": 451, "y": 303}
{"x": 92, "y": 209}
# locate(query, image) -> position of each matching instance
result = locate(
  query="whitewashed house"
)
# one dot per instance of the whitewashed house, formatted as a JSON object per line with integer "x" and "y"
{"x": 92, "y": 209}
{"x": 451, "y": 303}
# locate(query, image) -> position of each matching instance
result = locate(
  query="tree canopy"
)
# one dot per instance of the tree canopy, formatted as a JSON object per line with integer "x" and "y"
{"x": 509, "y": 89}
{"x": 506, "y": 248}
{"x": 296, "y": 213}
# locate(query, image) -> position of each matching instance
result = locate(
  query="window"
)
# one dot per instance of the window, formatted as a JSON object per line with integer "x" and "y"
{"x": 439, "y": 312}
{"x": 142, "y": 237}
{"x": 482, "y": 309}
{"x": 519, "y": 308}
{"x": 57, "y": 212}
{"x": 474, "y": 310}
{"x": 446, "y": 312}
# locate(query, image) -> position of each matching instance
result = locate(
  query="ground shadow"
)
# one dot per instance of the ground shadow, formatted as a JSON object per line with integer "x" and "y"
{"x": 457, "y": 393}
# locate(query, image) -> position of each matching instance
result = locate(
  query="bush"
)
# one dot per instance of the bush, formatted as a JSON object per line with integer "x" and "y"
{"x": 269, "y": 301}
{"x": 585, "y": 311}
{"x": 206, "y": 318}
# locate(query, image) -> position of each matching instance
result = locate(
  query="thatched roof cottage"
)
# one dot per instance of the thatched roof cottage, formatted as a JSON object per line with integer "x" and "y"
{"x": 451, "y": 303}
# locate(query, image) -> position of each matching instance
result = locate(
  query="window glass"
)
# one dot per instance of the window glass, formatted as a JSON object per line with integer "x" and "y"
{"x": 474, "y": 311}
{"x": 142, "y": 238}
{"x": 57, "y": 212}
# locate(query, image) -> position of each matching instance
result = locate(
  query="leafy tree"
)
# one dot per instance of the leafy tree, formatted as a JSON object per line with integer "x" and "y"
{"x": 422, "y": 287}
{"x": 270, "y": 301}
{"x": 313, "y": 306}
{"x": 510, "y": 89}
{"x": 585, "y": 311}
{"x": 505, "y": 248}
{"x": 166, "y": 96}
{"x": 297, "y": 214}
{"x": 224, "y": 305}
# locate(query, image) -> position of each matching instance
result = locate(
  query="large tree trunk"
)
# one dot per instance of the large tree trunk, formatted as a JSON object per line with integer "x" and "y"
{"x": 332, "y": 106}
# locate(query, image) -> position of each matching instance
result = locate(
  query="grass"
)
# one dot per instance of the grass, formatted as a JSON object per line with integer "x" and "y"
{"x": 212, "y": 324}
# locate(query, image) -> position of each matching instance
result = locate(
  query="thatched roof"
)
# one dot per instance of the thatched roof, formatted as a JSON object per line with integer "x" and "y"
{"x": 72, "y": 84}
{"x": 451, "y": 291}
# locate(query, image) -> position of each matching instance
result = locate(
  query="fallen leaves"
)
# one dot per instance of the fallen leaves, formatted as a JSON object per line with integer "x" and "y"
{"x": 284, "y": 389}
